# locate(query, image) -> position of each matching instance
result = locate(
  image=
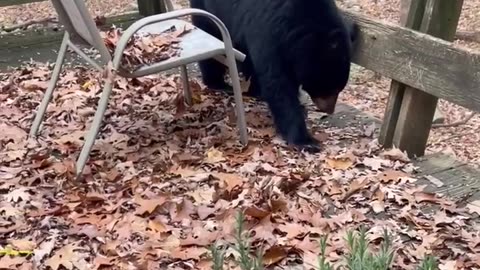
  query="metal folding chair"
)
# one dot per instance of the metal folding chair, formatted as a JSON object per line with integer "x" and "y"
{"x": 196, "y": 45}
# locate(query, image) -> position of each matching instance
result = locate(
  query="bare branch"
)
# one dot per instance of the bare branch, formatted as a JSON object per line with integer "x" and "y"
{"x": 27, "y": 24}
{"x": 454, "y": 124}
{"x": 468, "y": 36}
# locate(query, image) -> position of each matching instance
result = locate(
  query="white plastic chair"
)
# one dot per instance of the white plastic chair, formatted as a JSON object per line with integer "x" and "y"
{"x": 196, "y": 45}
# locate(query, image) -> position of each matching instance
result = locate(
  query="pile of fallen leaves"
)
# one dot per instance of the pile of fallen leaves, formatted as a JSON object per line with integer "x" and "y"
{"x": 146, "y": 48}
{"x": 164, "y": 182}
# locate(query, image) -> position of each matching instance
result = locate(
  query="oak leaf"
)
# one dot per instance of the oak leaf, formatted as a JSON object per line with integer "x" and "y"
{"x": 256, "y": 212}
{"x": 213, "y": 156}
{"x": 18, "y": 194}
{"x": 203, "y": 194}
{"x": 396, "y": 154}
{"x": 231, "y": 180}
{"x": 190, "y": 253}
{"x": 9, "y": 262}
{"x": 68, "y": 257}
{"x": 474, "y": 207}
{"x": 149, "y": 205}
{"x": 342, "y": 162}
{"x": 275, "y": 254}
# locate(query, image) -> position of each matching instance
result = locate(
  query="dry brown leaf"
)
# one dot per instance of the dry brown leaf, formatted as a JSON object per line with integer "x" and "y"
{"x": 186, "y": 158}
{"x": 391, "y": 175}
{"x": 421, "y": 196}
{"x": 44, "y": 250}
{"x": 204, "y": 238}
{"x": 202, "y": 195}
{"x": 149, "y": 205}
{"x": 9, "y": 262}
{"x": 182, "y": 211}
{"x": 213, "y": 156}
{"x": 68, "y": 257}
{"x": 23, "y": 244}
{"x": 34, "y": 84}
{"x": 190, "y": 253}
{"x": 396, "y": 154}
{"x": 204, "y": 211}
{"x": 157, "y": 226}
{"x": 375, "y": 163}
{"x": 292, "y": 229}
{"x": 12, "y": 134}
{"x": 101, "y": 261}
{"x": 231, "y": 180}
{"x": 256, "y": 212}
{"x": 76, "y": 138}
{"x": 355, "y": 187}
{"x": 310, "y": 260}
{"x": 18, "y": 194}
{"x": 378, "y": 206}
{"x": 274, "y": 255}
{"x": 474, "y": 207}
{"x": 342, "y": 162}
{"x": 448, "y": 265}
{"x": 9, "y": 211}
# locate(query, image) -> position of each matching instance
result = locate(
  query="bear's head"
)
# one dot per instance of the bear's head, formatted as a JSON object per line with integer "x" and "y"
{"x": 320, "y": 53}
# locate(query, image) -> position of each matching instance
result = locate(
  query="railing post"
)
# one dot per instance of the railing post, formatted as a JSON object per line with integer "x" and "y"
{"x": 411, "y": 16}
{"x": 408, "y": 126}
{"x": 151, "y": 7}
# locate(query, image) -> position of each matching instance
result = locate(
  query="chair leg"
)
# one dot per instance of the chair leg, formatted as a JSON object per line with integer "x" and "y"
{"x": 51, "y": 86}
{"x": 237, "y": 92}
{"x": 186, "y": 85}
{"x": 95, "y": 128}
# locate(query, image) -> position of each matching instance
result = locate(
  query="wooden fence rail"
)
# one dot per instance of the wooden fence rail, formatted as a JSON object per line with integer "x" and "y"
{"x": 145, "y": 7}
{"x": 419, "y": 60}
{"x": 6, "y": 3}
{"x": 415, "y": 59}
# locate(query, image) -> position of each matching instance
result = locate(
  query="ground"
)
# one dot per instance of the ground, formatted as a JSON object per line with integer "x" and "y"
{"x": 164, "y": 181}
{"x": 366, "y": 92}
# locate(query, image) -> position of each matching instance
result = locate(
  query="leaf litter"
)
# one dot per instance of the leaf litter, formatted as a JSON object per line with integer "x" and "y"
{"x": 164, "y": 181}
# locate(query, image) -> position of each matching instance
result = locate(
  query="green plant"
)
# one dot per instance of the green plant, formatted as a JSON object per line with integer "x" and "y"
{"x": 322, "y": 261}
{"x": 242, "y": 246}
{"x": 429, "y": 263}
{"x": 360, "y": 258}
{"x": 218, "y": 257}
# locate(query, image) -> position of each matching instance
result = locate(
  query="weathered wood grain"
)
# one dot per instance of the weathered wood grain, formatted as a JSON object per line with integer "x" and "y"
{"x": 151, "y": 7}
{"x": 419, "y": 60}
{"x": 418, "y": 108}
{"x": 6, "y": 3}
{"x": 411, "y": 15}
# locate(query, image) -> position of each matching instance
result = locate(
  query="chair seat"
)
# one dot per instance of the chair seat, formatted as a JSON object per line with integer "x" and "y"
{"x": 195, "y": 45}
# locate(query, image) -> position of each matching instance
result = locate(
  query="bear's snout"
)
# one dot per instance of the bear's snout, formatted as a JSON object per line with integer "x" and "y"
{"x": 326, "y": 104}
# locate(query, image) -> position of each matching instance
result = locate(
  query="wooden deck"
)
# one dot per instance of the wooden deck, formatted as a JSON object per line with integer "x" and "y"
{"x": 455, "y": 179}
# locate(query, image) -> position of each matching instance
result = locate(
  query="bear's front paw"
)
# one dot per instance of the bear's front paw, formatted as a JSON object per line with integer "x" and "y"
{"x": 307, "y": 144}
{"x": 220, "y": 87}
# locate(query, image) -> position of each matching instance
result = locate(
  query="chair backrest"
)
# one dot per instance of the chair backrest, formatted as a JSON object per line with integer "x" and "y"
{"x": 76, "y": 18}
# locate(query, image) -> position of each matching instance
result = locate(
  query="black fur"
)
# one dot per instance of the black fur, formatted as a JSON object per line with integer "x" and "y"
{"x": 288, "y": 43}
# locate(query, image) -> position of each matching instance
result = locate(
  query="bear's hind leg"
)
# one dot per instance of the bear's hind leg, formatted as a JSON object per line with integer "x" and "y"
{"x": 213, "y": 75}
{"x": 213, "y": 72}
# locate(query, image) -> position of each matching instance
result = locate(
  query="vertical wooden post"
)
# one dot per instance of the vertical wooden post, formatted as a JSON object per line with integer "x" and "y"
{"x": 151, "y": 7}
{"x": 411, "y": 16}
{"x": 418, "y": 108}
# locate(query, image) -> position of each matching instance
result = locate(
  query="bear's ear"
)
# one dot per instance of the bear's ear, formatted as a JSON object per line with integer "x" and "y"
{"x": 334, "y": 39}
{"x": 354, "y": 31}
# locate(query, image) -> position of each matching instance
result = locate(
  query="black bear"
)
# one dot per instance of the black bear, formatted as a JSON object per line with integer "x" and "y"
{"x": 288, "y": 43}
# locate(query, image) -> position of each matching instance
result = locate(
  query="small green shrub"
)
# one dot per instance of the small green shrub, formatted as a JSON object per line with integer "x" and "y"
{"x": 358, "y": 257}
